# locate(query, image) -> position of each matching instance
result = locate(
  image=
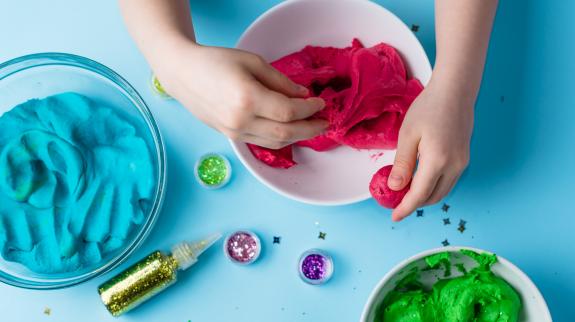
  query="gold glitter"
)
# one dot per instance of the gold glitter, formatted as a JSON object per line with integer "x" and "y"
{"x": 138, "y": 283}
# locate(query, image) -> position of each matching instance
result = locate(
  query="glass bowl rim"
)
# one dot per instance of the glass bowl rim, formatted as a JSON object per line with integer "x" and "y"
{"x": 25, "y": 62}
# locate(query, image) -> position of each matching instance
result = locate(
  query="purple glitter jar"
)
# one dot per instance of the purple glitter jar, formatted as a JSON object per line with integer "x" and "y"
{"x": 242, "y": 247}
{"x": 315, "y": 267}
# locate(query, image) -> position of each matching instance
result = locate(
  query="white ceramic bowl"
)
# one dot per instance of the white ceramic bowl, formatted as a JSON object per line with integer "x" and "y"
{"x": 340, "y": 176}
{"x": 534, "y": 308}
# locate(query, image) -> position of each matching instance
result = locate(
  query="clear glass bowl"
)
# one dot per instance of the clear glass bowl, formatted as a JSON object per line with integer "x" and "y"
{"x": 45, "y": 74}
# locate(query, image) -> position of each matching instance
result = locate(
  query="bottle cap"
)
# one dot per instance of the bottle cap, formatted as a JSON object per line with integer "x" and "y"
{"x": 186, "y": 253}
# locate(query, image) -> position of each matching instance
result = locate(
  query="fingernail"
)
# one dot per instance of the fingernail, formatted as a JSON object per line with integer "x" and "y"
{"x": 394, "y": 181}
{"x": 302, "y": 89}
{"x": 320, "y": 103}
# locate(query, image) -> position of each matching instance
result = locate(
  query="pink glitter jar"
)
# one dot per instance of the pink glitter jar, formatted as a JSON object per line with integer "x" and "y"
{"x": 242, "y": 247}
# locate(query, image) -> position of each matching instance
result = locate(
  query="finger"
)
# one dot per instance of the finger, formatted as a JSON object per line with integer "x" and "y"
{"x": 441, "y": 189}
{"x": 287, "y": 132}
{"x": 275, "y": 80}
{"x": 266, "y": 143}
{"x": 404, "y": 163}
{"x": 424, "y": 182}
{"x": 278, "y": 107}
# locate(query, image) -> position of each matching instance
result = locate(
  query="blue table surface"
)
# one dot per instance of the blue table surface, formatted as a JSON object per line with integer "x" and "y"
{"x": 516, "y": 196}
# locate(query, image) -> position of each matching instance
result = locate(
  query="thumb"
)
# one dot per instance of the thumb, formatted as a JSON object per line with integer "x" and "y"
{"x": 276, "y": 81}
{"x": 404, "y": 163}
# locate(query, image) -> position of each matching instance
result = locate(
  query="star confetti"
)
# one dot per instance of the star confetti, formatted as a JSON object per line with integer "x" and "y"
{"x": 462, "y": 227}
{"x": 446, "y": 221}
{"x": 47, "y": 311}
{"x": 277, "y": 239}
{"x": 445, "y": 207}
{"x": 415, "y": 28}
{"x": 445, "y": 243}
{"x": 419, "y": 213}
{"x": 321, "y": 235}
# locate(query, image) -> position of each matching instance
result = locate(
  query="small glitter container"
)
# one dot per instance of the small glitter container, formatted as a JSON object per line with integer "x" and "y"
{"x": 242, "y": 247}
{"x": 158, "y": 89}
{"x": 213, "y": 170}
{"x": 315, "y": 266}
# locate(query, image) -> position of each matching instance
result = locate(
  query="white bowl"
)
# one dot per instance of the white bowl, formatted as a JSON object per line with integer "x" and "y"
{"x": 534, "y": 308}
{"x": 340, "y": 176}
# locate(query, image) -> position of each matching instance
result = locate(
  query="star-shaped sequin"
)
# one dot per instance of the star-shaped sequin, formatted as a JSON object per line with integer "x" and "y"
{"x": 47, "y": 311}
{"x": 321, "y": 235}
{"x": 419, "y": 213}
{"x": 445, "y": 243}
{"x": 445, "y": 207}
{"x": 277, "y": 239}
{"x": 446, "y": 221}
{"x": 415, "y": 28}
{"x": 462, "y": 227}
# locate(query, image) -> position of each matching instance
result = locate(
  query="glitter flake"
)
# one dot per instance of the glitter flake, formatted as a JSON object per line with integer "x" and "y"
{"x": 419, "y": 213}
{"x": 445, "y": 207}
{"x": 446, "y": 221}
{"x": 445, "y": 243}
{"x": 277, "y": 239}
{"x": 415, "y": 28}
{"x": 321, "y": 235}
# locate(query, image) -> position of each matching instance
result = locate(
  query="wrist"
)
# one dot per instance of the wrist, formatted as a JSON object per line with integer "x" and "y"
{"x": 170, "y": 51}
{"x": 460, "y": 84}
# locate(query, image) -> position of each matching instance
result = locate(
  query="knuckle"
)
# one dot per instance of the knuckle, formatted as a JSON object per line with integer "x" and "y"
{"x": 257, "y": 59}
{"x": 243, "y": 100}
{"x": 282, "y": 133}
{"x": 403, "y": 163}
{"x": 287, "y": 115}
{"x": 234, "y": 122}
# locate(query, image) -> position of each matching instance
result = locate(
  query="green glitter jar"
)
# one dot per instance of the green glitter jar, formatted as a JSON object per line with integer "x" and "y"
{"x": 213, "y": 170}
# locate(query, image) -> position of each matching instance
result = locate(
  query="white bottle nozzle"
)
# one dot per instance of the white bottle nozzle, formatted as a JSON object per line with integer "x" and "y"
{"x": 186, "y": 254}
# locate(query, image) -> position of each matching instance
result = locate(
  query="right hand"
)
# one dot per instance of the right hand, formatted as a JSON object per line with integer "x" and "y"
{"x": 240, "y": 95}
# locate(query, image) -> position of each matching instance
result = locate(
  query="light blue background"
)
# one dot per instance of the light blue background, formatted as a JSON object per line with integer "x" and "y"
{"x": 517, "y": 195}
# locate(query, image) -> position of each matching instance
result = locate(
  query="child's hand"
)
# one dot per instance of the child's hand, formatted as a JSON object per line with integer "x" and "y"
{"x": 240, "y": 95}
{"x": 437, "y": 131}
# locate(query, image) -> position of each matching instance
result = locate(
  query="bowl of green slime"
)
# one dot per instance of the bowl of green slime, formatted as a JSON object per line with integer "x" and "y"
{"x": 452, "y": 284}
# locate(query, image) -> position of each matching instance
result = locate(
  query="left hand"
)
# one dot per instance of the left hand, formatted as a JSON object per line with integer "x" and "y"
{"x": 437, "y": 131}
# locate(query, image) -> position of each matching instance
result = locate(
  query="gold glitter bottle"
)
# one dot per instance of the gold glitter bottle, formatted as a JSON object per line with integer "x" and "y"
{"x": 150, "y": 276}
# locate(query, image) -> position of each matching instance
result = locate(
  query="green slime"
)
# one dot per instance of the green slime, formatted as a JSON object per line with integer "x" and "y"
{"x": 477, "y": 295}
